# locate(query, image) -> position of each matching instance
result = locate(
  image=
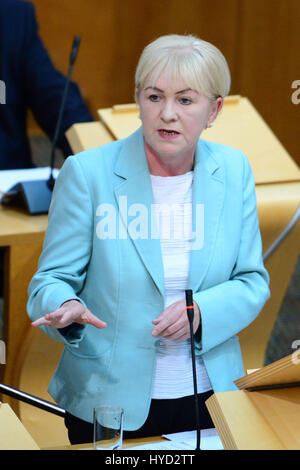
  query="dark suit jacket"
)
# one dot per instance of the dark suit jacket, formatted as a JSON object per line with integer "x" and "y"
{"x": 31, "y": 81}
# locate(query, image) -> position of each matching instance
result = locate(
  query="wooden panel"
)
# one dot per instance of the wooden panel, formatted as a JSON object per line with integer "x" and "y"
{"x": 88, "y": 135}
{"x": 239, "y": 423}
{"x": 269, "y": 61}
{"x": 266, "y": 420}
{"x": 13, "y": 435}
{"x": 282, "y": 372}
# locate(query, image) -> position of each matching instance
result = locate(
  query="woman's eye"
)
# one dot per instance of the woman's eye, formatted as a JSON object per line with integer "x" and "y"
{"x": 185, "y": 101}
{"x": 154, "y": 98}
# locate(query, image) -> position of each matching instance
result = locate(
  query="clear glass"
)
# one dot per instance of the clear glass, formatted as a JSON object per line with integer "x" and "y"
{"x": 108, "y": 427}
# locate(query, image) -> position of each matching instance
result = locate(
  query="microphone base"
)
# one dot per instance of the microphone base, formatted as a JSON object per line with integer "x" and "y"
{"x": 33, "y": 196}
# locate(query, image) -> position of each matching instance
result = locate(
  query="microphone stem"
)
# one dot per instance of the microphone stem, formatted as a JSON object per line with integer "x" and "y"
{"x": 190, "y": 315}
{"x": 58, "y": 125}
{"x": 195, "y": 387}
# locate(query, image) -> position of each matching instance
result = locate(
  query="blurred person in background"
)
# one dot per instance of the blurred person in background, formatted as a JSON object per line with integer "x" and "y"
{"x": 31, "y": 82}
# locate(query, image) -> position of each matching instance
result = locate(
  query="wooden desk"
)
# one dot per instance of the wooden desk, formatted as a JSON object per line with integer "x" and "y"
{"x": 264, "y": 413}
{"x": 21, "y": 237}
{"x": 13, "y": 435}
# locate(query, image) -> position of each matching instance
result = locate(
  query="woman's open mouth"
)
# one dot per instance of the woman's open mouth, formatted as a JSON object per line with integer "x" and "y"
{"x": 168, "y": 133}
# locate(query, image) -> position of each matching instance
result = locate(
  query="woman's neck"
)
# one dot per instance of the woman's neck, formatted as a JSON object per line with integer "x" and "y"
{"x": 168, "y": 165}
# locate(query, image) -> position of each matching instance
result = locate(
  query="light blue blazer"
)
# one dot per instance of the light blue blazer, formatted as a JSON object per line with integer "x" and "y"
{"x": 118, "y": 274}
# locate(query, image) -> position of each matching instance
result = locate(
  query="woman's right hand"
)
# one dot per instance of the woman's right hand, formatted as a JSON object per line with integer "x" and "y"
{"x": 69, "y": 312}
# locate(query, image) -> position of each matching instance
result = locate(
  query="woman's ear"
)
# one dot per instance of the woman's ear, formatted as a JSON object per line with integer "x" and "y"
{"x": 217, "y": 106}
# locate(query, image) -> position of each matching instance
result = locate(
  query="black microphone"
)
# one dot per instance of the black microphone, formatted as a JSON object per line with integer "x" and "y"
{"x": 190, "y": 314}
{"x": 73, "y": 56}
{"x": 35, "y": 196}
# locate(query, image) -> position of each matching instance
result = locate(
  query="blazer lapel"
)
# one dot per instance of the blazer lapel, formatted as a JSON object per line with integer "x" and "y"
{"x": 208, "y": 197}
{"x": 135, "y": 200}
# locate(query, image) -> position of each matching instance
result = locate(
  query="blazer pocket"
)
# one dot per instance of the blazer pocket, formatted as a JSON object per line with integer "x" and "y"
{"x": 89, "y": 348}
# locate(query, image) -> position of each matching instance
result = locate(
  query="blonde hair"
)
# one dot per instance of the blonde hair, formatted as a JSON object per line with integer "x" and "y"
{"x": 200, "y": 64}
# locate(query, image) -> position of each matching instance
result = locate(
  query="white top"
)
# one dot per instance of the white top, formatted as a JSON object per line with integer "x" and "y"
{"x": 173, "y": 197}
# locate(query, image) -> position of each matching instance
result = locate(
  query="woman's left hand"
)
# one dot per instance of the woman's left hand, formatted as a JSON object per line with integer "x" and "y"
{"x": 173, "y": 322}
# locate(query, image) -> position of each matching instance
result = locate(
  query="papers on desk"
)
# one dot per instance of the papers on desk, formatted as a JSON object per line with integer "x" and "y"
{"x": 163, "y": 445}
{"x": 210, "y": 440}
{"x": 9, "y": 178}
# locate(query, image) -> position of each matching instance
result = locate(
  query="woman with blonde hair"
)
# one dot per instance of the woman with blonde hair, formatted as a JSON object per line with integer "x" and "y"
{"x": 132, "y": 225}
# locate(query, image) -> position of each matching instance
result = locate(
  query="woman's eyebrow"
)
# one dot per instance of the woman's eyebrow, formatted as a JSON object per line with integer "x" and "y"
{"x": 183, "y": 91}
{"x": 153, "y": 88}
{"x": 161, "y": 91}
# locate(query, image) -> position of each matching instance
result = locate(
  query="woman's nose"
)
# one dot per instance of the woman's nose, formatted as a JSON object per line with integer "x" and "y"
{"x": 168, "y": 111}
